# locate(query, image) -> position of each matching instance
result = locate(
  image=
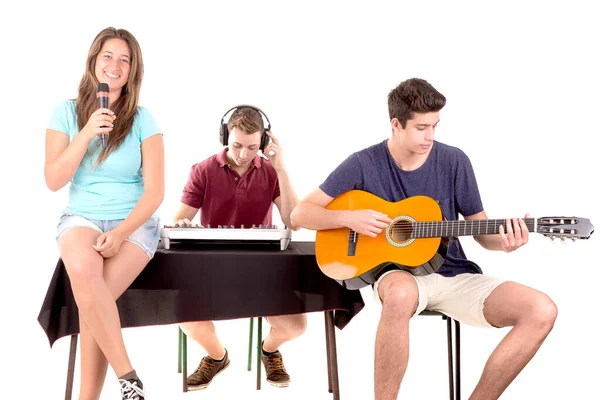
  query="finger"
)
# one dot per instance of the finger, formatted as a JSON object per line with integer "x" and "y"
{"x": 517, "y": 230}
{"x": 379, "y": 224}
{"x": 273, "y": 138}
{"x": 503, "y": 238}
{"x": 102, "y": 111}
{"x": 101, "y": 239}
{"x": 102, "y": 248}
{"x": 187, "y": 221}
{"x": 105, "y": 120}
{"x": 374, "y": 229}
{"x": 382, "y": 217}
{"x": 524, "y": 231}
{"x": 369, "y": 233}
{"x": 509, "y": 229}
{"x": 509, "y": 233}
{"x": 271, "y": 150}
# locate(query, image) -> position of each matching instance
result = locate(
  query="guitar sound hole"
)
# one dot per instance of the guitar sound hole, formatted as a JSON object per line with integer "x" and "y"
{"x": 401, "y": 231}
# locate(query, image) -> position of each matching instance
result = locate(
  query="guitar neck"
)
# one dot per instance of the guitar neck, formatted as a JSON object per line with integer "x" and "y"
{"x": 464, "y": 227}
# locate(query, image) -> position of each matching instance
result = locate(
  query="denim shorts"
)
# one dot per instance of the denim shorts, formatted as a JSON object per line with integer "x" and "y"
{"x": 145, "y": 237}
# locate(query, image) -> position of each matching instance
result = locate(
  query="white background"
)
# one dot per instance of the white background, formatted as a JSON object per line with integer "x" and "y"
{"x": 522, "y": 87}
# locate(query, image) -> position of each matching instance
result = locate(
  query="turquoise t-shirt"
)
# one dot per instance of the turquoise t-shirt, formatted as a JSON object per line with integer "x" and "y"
{"x": 110, "y": 190}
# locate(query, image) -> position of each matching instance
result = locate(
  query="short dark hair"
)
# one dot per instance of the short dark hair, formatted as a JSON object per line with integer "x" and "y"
{"x": 413, "y": 96}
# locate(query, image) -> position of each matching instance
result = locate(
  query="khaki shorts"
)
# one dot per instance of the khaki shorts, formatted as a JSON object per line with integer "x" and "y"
{"x": 460, "y": 297}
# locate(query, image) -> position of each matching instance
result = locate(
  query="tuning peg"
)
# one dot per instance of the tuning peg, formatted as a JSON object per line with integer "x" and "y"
{"x": 574, "y": 239}
{"x": 562, "y": 239}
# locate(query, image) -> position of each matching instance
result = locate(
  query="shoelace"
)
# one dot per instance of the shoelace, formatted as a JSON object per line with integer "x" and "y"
{"x": 130, "y": 390}
{"x": 276, "y": 363}
{"x": 205, "y": 366}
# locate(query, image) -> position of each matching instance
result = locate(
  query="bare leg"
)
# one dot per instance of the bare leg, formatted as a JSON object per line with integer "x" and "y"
{"x": 532, "y": 315}
{"x": 399, "y": 293}
{"x": 283, "y": 329}
{"x": 205, "y": 334}
{"x": 96, "y": 284}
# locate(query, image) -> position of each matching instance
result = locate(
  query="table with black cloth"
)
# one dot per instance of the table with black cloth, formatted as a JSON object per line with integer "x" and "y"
{"x": 208, "y": 283}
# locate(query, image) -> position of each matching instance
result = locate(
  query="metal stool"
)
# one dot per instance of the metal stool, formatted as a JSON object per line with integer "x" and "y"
{"x": 453, "y": 376}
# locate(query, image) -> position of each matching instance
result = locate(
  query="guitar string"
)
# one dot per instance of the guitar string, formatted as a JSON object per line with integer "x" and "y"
{"x": 427, "y": 226}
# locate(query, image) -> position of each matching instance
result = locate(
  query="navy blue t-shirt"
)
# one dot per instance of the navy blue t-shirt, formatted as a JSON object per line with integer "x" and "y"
{"x": 447, "y": 176}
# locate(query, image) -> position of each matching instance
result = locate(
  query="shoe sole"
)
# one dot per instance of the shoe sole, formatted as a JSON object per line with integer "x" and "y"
{"x": 192, "y": 388}
{"x": 279, "y": 384}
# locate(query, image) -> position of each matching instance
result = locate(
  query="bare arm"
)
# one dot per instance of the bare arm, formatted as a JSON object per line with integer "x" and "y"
{"x": 287, "y": 200}
{"x": 310, "y": 213}
{"x": 154, "y": 185}
{"x": 62, "y": 158}
{"x": 509, "y": 238}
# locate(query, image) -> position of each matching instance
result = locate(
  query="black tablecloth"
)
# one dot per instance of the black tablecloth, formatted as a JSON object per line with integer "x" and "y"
{"x": 192, "y": 283}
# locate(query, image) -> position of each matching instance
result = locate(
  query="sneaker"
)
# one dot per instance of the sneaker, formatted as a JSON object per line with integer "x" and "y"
{"x": 206, "y": 371}
{"x": 276, "y": 374}
{"x": 132, "y": 389}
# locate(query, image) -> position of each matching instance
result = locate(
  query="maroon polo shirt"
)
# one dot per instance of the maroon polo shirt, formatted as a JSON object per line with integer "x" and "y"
{"x": 226, "y": 198}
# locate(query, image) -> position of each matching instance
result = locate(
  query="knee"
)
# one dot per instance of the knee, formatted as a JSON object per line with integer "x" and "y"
{"x": 543, "y": 313}
{"x": 197, "y": 328}
{"x": 289, "y": 326}
{"x": 84, "y": 274}
{"x": 399, "y": 296}
{"x": 297, "y": 326}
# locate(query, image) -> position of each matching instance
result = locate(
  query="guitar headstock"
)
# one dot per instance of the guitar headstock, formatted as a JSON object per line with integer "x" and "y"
{"x": 565, "y": 227}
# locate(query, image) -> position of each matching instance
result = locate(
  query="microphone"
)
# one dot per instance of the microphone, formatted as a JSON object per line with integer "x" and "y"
{"x": 102, "y": 94}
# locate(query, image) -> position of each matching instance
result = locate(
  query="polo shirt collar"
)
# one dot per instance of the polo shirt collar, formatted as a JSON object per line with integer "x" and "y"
{"x": 222, "y": 159}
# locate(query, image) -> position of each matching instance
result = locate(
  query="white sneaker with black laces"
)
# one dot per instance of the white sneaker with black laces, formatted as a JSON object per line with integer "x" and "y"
{"x": 132, "y": 389}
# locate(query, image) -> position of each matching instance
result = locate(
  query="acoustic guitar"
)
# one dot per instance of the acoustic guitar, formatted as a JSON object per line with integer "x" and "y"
{"x": 416, "y": 240}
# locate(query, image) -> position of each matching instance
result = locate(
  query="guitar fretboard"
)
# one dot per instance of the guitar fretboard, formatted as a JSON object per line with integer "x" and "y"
{"x": 462, "y": 227}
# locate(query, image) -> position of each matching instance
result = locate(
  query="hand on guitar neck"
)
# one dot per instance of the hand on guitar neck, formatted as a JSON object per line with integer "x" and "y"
{"x": 512, "y": 235}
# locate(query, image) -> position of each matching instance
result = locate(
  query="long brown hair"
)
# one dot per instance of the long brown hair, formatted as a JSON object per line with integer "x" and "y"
{"x": 125, "y": 107}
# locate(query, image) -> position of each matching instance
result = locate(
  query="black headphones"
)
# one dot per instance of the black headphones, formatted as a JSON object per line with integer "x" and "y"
{"x": 264, "y": 138}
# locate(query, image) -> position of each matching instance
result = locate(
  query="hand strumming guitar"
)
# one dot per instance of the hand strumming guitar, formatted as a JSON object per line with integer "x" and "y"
{"x": 367, "y": 222}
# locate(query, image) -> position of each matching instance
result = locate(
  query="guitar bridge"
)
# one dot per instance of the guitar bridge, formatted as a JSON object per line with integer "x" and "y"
{"x": 352, "y": 240}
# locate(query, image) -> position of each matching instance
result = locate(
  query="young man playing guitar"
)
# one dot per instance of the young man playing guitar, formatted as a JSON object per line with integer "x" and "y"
{"x": 412, "y": 163}
{"x": 238, "y": 187}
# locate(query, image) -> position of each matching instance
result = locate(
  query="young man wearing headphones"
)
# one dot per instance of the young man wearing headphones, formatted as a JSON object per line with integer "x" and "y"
{"x": 238, "y": 187}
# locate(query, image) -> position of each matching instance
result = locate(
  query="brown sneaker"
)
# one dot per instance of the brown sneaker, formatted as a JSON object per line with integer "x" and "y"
{"x": 206, "y": 371}
{"x": 276, "y": 374}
